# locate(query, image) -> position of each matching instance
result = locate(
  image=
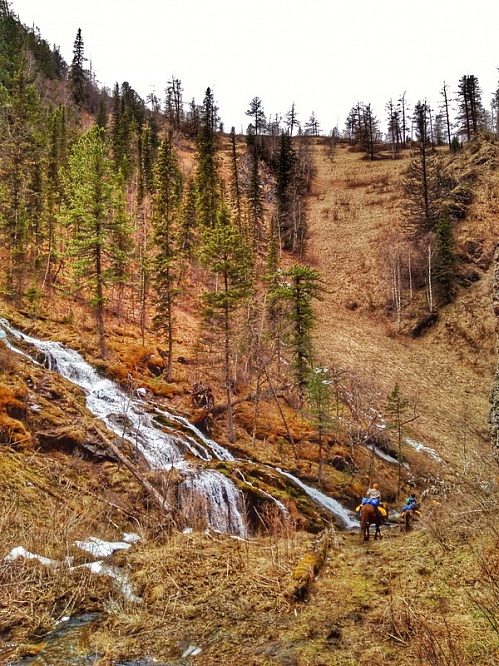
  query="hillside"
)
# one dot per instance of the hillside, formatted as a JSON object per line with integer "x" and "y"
{"x": 427, "y": 597}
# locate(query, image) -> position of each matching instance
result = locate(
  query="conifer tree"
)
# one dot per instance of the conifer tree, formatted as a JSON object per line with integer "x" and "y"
{"x": 207, "y": 178}
{"x": 77, "y": 74}
{"x": 167, "y": 271}
{"x": 226, "y": 254}
{"x": 187, "y": 237}
{"x": 90, "y": 197}
{"x": 285, "y": 168}
{"x": 471, "y": 114}
{"x": 254, "y": 191}
{"x": 21, "y": 183}
{"x": 235, "y": 184}
{"x": 257, "y": 115}
{"x": 422, "y": 183}
{"x": 320, "y": 400}
{"x": 445, "y": 261}
{"x": 296, "y": 289}
{"x": 292, "y": 120}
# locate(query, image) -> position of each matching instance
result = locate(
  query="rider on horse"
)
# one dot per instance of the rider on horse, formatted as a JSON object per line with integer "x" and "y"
{"x": 411, "y": 503}
{"x": 373, "y": 496}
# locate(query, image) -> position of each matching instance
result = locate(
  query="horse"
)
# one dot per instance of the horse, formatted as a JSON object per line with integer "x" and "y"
{"x": 369, "y": 515}
{"x": 410, "y": 516}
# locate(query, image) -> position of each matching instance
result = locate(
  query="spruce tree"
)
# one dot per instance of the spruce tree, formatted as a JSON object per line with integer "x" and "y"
{"x": 77, "y": 74}
{"x": 207, "y": 177}
{"x": 90, "y": 197}
{"x": 167, "y": 263}
{"x": 422, "y": 182}
{"x": 445, "y": 271}
{"x": 227, "y": 256}
{"x": 296, "y": 290}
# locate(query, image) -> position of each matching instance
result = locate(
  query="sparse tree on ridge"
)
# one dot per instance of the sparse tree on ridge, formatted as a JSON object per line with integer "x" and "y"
{"x": 471, "y": 114}
{"x": 421, "y": 183}
{"x": 292, "y": 120}
{"x": 257, "y": 114}
{"x": 394, "y": 131}
{"x": 446, "y": 114}
{"x": 312, "y": 126}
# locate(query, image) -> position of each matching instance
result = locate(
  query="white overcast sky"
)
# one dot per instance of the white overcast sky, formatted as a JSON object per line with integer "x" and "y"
{"x": 323, "y": 55}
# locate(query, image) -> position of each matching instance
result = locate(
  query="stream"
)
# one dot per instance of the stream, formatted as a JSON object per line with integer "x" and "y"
{"x": 128, "y": 416}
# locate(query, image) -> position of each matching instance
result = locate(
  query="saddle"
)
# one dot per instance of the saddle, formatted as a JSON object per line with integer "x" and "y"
{"x": 379, "y": 506}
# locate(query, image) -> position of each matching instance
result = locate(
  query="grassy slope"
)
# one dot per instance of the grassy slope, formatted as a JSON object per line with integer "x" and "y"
{"x": 399, "y": 601}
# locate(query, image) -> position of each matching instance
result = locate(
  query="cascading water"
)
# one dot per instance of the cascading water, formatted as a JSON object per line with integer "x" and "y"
{"x": 127, "y": 418}
{"x": 218, "y": 499}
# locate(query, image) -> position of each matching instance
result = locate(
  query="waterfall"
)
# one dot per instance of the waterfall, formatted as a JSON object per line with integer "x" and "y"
{"x": 126, "y": 417}
{"x": 344, "y": 515}
{"x": 218, "y": 500}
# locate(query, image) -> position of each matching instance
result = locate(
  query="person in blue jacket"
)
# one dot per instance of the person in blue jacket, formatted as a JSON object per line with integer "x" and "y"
{"x": 411, "y": 503}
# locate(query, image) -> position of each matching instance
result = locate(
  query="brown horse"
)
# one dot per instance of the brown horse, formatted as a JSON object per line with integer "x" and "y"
{"x": 410, "y": 516}
{"x": 369, "y": 515}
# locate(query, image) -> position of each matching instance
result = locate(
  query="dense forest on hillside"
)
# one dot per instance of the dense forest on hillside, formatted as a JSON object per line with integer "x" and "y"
{"x": 316, "y": 304}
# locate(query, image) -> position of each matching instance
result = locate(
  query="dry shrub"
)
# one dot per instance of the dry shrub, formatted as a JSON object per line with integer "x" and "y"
{"x": 429, "y": 637}
{"x": 465, "y": 511}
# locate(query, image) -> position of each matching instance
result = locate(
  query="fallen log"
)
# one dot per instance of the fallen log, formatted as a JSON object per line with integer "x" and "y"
{"x": 308, "y": 567}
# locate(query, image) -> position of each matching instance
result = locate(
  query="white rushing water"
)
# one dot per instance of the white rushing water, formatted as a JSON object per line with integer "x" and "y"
{"x": 214, "y": 495}
{"x": 344, "y": 515}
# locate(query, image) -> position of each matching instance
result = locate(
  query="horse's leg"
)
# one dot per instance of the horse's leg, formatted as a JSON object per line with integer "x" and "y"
{"x": 407, "y": 521}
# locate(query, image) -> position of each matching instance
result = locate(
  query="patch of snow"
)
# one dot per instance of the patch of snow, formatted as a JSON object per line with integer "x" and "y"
{"x": 131, "y": 537}
{"x": 417, "y": 446}
{"x": 99, "y": 548}
{"x": 18, "y": 552}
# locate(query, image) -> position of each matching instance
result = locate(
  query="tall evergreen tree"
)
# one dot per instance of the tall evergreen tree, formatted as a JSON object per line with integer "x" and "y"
{"x": 422, "y": 183}
{"x": 228, "y": 257}
{"x": 90, "y": 197}
{"x": 257, "y": 115}
{"x": 167, "y": 270}
{"x": 78, "y": 76}
{"x": 22, "y": 135}
{"x": 445, "y": 260}
{"x": 207, "y": 177}
{"x": 471, "y": 114}
{"x": 297, "y": 288}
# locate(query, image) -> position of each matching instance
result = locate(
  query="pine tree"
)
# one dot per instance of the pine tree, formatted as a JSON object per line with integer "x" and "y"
{"x": 296, "y": 289}
{"x": 445, "y": 261}
{"x": 471, "y": 114}
{"x": 254, "y": 192}
{"x": 235, "y": 181}
{"x": 292, "y": 120}
{"x": 422, "y": 182}
{"x": 226, "y": 254}
{"x": 77, "y": 74}
{"x": 167, "y": 270}
{"x": 285, "y": 169}
{"x": 22, "y": 133}
{"x": 90, "y": 197}
{"x": 257, "y": 114}
{"x": 207, "y": 178}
